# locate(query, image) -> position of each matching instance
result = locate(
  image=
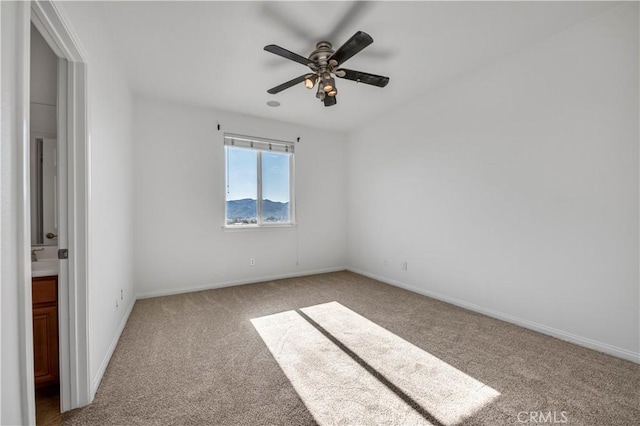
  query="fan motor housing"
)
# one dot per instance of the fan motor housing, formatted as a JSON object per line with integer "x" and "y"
{"x": 322, "y": 53}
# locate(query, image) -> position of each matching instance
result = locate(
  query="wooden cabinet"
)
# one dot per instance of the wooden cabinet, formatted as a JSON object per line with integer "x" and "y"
{"x": 44, "y": 291}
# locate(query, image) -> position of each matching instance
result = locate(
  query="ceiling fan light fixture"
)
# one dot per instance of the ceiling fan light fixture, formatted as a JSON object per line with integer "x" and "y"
{"x": 329, "y": 83}
{"x": 310, "y": 81}
{"x": 323, "y": 62}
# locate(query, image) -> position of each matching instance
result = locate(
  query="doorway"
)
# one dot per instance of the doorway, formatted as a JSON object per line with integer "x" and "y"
{"x": 59, "y": 307}
{"x": 45, "y": 214}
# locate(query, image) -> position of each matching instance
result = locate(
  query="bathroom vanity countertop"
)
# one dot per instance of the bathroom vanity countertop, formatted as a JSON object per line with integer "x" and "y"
{"x": 44, "y": 268}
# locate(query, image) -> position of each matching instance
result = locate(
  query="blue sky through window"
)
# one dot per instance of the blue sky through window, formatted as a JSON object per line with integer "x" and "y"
{"x": 242, "y": 175}
{"x": 242, "y": 169}
{"x": 275, "y": 177}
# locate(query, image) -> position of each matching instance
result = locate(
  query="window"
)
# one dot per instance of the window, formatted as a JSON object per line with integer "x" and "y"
{"x": 259, "y": 182}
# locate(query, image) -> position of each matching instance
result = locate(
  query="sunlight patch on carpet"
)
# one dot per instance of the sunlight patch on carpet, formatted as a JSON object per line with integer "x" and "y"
{"x": 349, "y": 370}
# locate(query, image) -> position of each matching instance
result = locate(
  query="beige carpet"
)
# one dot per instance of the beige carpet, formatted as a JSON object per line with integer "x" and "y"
{"x": 198, "y": 359}
{"x": 348, "y": 370}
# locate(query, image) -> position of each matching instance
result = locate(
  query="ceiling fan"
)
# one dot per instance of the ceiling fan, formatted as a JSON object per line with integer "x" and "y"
{"x": 325, "y": 63}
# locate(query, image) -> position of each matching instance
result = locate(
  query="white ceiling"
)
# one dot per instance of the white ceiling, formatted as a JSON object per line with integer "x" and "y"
{"x": 211, "y": 53}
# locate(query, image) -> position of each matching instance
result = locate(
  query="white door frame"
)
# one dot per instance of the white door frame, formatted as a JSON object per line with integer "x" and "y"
{"x": 73, "y": 166}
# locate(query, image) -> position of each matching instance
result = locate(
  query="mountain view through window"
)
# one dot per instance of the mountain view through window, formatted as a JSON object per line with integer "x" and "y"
{"x": 244, "y": 189}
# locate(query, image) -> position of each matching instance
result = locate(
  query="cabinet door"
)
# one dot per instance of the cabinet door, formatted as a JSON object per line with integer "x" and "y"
{"x": 44, "y": 290}
{"x": 45, "y": 344}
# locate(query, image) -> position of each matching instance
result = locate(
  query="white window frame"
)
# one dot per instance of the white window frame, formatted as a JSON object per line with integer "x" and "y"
{"x": 260, "y": 145}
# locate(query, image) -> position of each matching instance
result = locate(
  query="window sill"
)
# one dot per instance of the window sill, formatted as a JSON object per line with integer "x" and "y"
{"x": 259, "y": 228}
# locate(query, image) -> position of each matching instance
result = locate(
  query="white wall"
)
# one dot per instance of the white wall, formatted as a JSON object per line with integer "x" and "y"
{"x": 44, "y": 83}
{"x": 179, "y": 202}
{"x": 111, "y": 190}
{"x": 514, "y": 190}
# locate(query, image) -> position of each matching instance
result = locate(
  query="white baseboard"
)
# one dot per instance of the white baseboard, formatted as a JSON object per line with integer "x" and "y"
{"x": 563, "y": 335}
{"x": 112, "y": 347}
{"x": 211, "y": 286}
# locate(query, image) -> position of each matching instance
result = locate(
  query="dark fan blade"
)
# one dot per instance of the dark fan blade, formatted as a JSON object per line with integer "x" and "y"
{"x": 356, "y": 43}
{"x": 288, "y": 84}
{"x": 287, "y": 54}
{"x": 375, "y": 53}
{"x": 356, "y": 8}
{"x": 363, "y": 77}
{"x": 330, "y": 100}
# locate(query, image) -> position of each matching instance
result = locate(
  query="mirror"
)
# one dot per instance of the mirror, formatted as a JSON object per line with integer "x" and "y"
{"x": 43, "y": 85}
{"x": 44, "y": 215}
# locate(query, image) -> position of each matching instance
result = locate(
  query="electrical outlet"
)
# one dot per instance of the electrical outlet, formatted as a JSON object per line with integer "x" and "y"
{"x": 117, "y": 304}
{"x": 121, "y": 294}
{"x": 404, "y": 266}
{"x": 252, "y": 262}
